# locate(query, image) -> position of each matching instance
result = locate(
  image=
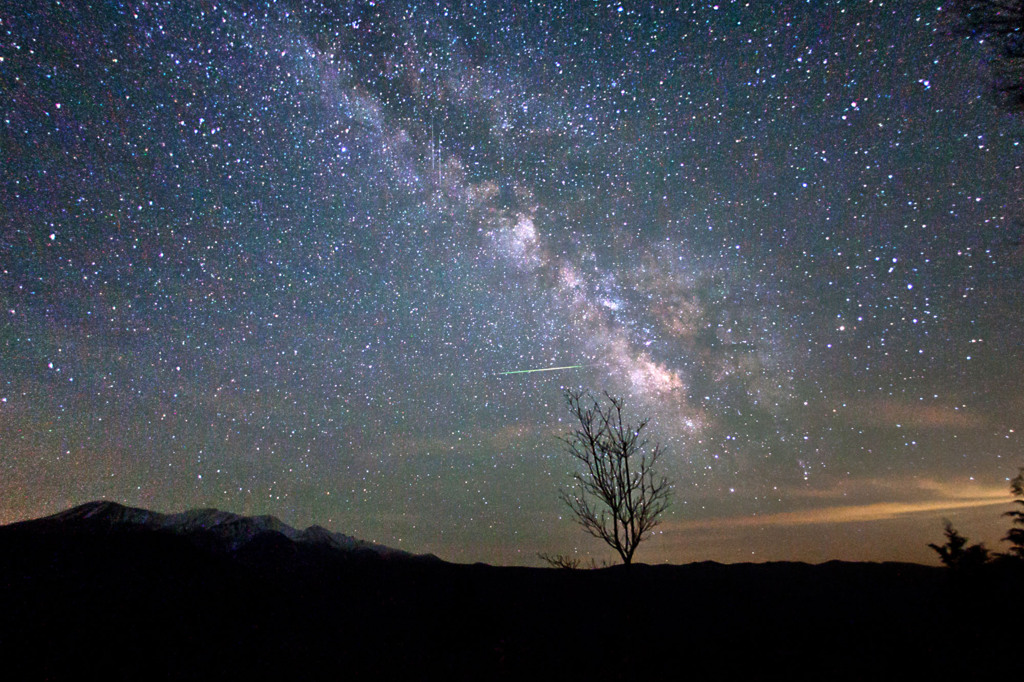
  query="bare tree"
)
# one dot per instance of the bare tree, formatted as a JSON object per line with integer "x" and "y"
{"x": 617, "y": 497}
{"x": 999, "y": 25}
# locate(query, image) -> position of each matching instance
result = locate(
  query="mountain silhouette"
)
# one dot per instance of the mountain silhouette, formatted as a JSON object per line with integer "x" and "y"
{"x": 105, "y": 591}
{"x": 232, "y": 531}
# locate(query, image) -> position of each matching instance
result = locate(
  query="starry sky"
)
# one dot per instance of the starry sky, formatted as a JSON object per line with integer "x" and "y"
{"x": 277, "y": 257}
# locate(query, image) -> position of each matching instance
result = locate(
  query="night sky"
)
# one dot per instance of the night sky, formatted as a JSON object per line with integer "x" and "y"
{"x": 275, "y": 258}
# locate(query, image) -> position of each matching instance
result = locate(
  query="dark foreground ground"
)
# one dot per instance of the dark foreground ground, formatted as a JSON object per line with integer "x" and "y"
{"x": 83, "y": 603}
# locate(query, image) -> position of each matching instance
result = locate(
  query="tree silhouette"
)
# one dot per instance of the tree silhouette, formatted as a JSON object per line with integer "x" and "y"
{"x": 560, "y": 560}
{"x": 956, "y": 554}
{"x": 999, "y": 24}
{"x": 617, "y": 497}
{"x": 1015, "y": 536}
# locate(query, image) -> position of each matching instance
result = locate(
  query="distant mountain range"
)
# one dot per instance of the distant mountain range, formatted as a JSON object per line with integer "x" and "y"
{"x": 230, "y": 531}
{"x": 104, "y": 591}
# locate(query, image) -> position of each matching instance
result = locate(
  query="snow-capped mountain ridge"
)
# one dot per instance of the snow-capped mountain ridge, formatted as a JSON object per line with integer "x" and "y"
{"x": 233, "y": 529}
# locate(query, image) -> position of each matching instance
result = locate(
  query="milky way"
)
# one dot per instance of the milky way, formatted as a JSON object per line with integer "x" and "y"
{"x": 285, "y": 257}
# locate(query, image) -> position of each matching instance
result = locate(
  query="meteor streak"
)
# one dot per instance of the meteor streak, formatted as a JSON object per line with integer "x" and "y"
{"x": 543, "y": 369}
